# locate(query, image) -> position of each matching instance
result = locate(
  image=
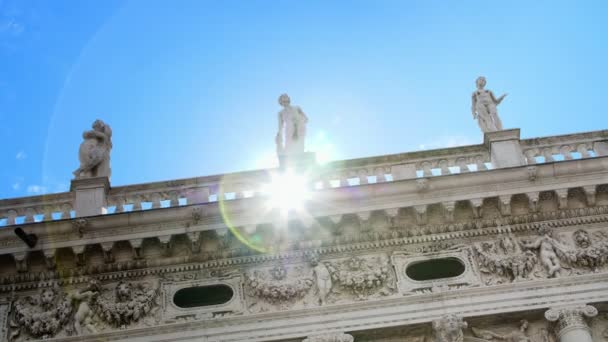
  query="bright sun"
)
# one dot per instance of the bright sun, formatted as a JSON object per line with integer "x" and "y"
{"x": 287, "y": 191}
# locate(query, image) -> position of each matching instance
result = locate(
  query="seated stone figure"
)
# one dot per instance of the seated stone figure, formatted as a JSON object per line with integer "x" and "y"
{"x": 94, "y": 153}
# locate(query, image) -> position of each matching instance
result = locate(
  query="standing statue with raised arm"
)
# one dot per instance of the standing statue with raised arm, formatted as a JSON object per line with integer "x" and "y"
{"x": 94, "y": 153}
{"x": 292, "y": 128}
{"x": 483, "y": 107}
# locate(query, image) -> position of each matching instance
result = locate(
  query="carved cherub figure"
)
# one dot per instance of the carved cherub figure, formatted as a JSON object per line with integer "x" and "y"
{"x": 548, "y": 247}
{"x": 449, "y": 329}
{"x": 84, "y": 302}
{"x": 94, "y": 152}
{"x": 322, "y": 279}
{"x": 519, "y": 335}
{"x": 483, "y": 107}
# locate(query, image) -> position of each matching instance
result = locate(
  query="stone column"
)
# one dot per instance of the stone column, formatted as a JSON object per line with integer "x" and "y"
{"x": 505, "y": 150}
{"x": 90, "y": 196}
{"x": 571, "y": 323}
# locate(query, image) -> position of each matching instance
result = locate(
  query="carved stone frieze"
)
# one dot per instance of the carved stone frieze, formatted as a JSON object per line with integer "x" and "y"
{"x": 362, "y": 277}
{"x": 504, "y": 259}
{"x": 519, "y": 335}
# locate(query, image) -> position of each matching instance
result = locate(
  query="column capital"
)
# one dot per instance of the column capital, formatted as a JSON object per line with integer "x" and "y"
{"x": 570, "y": 317}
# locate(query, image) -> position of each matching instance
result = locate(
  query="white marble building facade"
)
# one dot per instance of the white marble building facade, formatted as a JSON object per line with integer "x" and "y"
{"x": 502, "y": 241}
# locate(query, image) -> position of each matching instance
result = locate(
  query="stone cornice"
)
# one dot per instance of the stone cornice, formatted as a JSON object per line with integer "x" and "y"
{"x": 371, "y": 197}
{"x": 428, "y": 243}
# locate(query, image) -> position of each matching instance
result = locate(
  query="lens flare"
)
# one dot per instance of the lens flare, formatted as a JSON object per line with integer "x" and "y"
{"x": 287, "y": 192}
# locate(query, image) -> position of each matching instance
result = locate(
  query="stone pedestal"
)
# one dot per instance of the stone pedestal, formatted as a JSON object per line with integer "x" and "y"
{"x": 601, "y": 148}
{"x": 404, "y": 171}
{"x": 505, "y": 150}
{"x": 571, "y": 323}
{"x": 298, "y": 162}
{"x": 90, "y": 196}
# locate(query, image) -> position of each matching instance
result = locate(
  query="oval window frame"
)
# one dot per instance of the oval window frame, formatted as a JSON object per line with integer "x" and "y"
{"x": 458, "y": 260}
{"x": 208, "y": 306}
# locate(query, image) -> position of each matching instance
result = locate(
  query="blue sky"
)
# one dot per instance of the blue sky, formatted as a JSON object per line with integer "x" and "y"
{"x": 190, "y": 88}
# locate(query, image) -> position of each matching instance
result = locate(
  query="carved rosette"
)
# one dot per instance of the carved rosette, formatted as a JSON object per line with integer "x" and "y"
{"x": 571, "y": 318}
{"x": 336, "y": 337}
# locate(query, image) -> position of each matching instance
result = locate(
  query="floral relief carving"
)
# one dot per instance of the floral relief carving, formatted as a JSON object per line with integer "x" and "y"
{"x": 591, "y": 250}
{"x": 278, "y": 287}
{"x": 363, "y": 277}
{"x": 42, "y": 316}
{"x": 53, "y": 313}
{"x": 128, "y": 303}
{"x": 516, "y": 259}
{"x": 505, "y": 258}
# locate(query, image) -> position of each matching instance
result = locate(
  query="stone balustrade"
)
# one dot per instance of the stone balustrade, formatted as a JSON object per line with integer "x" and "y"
{"x": 402, "y": 166}
{"x": 421, "y": 165}
{"x": 36, "y": 208}
{"x": 565, "y": 147}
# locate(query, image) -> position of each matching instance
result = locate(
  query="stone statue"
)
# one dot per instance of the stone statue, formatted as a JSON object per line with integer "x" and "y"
{"x": 483, "y": 107}
{"x": 292, "y": 128}
{"x": 94, "y": 153}
{"x": 449, "y": 329}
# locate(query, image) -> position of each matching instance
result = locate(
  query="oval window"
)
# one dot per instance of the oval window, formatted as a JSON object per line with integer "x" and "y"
{"x": 192, "y": 297}
{"x": 435, "y": 269}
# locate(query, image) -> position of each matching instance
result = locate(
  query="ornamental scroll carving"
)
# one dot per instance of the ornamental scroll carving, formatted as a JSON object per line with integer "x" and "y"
{"x": 54, "y": 313}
